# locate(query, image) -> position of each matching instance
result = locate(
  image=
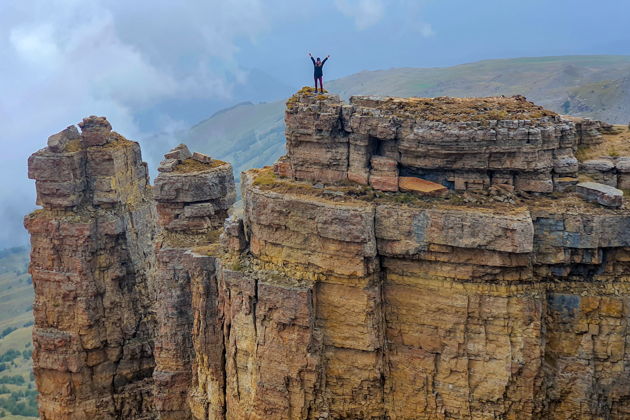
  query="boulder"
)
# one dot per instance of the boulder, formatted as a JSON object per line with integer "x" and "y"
{"x": 600, "y": 165}
{"x": 233, "y": 236}
{"x": 200, "y": 157}
{"x": 534, "y": 182}
{"x": 565, "y": 165}
{"x": 360, "y": 177}
{"x": 384, "y": 164}
{"x": 600, "y": 170}
{"x": 420, "y": 186}
{"x": 168, "y": 165}
{"x": 623, "y": 172}
{"x": 599, "y": 193}
{"x": 180, "y": 152}
{"x": 95, "y": 131}
{"x": 623, "y": 165}
{"x": 282, "y": 168}
{"x": 57, "y": 142}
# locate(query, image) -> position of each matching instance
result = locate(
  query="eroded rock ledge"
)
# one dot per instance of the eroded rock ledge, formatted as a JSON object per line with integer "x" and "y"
{"x": 91, "y": 259}
{"x": 330, "y": 298}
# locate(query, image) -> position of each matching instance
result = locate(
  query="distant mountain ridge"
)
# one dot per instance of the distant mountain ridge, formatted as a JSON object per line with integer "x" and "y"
{"x": 252, "y": 135}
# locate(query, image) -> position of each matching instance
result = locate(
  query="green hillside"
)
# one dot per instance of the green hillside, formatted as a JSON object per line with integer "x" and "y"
{"x": 593, "y": 86}
{"x": 251, "y": 135}
{"x": 17, "y": 387}
{"x": 247, "y": 135}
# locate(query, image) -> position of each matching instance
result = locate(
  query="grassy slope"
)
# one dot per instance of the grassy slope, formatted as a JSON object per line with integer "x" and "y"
{"x": 247, "y": 135}
{"x": 16, "y": 290}
{"x": 596, "y": 86}
{"x": 16, "y": 298}
{"x": 548, "y": 81}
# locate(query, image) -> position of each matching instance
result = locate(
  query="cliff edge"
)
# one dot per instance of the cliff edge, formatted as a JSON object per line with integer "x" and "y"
{"x": 408, "y": 259}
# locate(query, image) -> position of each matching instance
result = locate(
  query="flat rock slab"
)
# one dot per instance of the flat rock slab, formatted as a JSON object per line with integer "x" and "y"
{"x": 600, "y": 193}
{"x": 421, "y": 186}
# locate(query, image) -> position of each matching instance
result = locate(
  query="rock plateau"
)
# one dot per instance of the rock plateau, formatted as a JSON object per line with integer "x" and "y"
{"x": 344, "y": 287}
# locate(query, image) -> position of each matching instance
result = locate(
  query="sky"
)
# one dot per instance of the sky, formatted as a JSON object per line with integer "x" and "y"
{"x": 158, "y": 66}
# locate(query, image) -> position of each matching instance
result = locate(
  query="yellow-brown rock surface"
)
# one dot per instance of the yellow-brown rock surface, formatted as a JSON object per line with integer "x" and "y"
{"x": 323, "y": 299}
{"x": 90, "y": 258}
{"x": 435, "y": 309}
{"x": 192, "y": 202}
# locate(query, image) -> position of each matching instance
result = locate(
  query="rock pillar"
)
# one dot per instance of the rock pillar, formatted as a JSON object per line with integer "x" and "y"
{"x": 90, "y": 255}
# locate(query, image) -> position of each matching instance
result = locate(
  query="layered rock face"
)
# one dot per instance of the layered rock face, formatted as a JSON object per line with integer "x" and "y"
{"x": 332, "y": 295}
{"x": 462, "y": 143}
{"x": 90, "y": 258}
{"x": 438, "y": 310}
{"x": 193, "y": 194}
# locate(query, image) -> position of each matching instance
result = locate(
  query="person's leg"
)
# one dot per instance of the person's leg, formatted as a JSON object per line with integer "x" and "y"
{"x": 321, "y": 84}
{"x": 316, "y": 85}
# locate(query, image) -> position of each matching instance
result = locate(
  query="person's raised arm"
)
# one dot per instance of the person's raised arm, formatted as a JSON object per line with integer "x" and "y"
{"x": 312, "y": 59}
{"x": 327, "y": 57}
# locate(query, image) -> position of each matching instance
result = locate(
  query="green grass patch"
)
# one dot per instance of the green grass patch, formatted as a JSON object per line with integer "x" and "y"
{"x": 18, "y": 397}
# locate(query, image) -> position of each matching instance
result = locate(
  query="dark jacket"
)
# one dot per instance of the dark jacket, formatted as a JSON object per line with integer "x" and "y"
{"x": 318, "y": 69}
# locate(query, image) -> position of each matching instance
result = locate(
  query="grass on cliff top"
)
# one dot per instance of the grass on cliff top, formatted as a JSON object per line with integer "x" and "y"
{"x": 190, "y": 240}
{"x": 482, "y": 201}
{"x": 72, "y": 146}
{"x": 446, "y": 109}
{"x": 191, "y": 165}
{"x": 306, "y": 90}
{"x": 117, "y": 141}
{"x": 614, "y": 145}
{"x": 356, "y": 194}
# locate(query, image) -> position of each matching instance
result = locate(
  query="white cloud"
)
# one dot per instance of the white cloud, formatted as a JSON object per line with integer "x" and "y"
{"x": 65, "y": 59}
{"x": 425, "y": 29}
{"x": 364, "y": 12}
{"x": 35, "y": 43}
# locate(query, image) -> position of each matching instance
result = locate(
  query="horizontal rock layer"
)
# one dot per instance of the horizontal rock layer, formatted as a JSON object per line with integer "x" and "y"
{"x": 90, "y": 261}
{"x": 192, "y": 198}
{"x": 438, "y": 312}
{"x": 461, "y": 143}
{"x": 314, "y": 302}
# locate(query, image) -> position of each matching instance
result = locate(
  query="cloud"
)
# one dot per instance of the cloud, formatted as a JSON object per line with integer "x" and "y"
{"x": 146, "y": 65}
{"x": 425, "y": 29}
{"x": 367, "y": 13}
{"x": 65, "y": 59}
{"x": 412, "y": 20}
{"x": 364, "y": 12}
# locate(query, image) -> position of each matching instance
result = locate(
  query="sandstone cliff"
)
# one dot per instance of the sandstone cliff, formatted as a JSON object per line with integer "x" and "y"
{"x": 91, "y": 253}
{"x": 332, "y": 294}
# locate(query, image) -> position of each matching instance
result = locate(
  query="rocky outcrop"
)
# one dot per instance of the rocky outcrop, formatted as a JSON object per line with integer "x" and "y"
{"x": 611, "y": 171}
{"x": 444, "y": 310}
{"x": 193, "y": 194}
{"x": 590, "y": 131}
{"x": 346, "y": 287}
{"x": 600, "y": 193}
{"x": 90, "y": 258}
{"x": 461, "y": 143}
